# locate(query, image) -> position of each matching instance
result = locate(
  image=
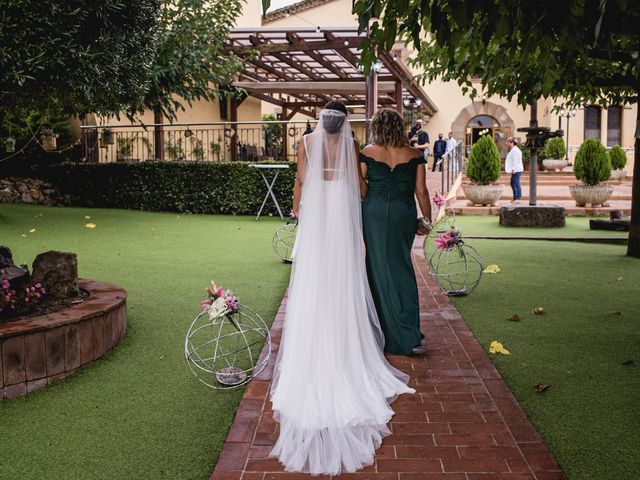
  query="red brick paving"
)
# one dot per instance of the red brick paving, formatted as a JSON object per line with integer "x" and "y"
{"x": 463, "y": 423}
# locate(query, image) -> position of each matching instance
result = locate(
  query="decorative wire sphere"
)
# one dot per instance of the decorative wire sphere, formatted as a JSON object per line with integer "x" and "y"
{"x": 284, "y": 239}
{"x": 222, "y": 351}
{"x": 449, "y": 217}
{"x": 457, "y": 270}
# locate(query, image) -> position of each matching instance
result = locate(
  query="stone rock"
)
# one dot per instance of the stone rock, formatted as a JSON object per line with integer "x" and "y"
{"x": 532, "y": 216}
{"x": 618, "y": 225}
{"x": 27, "y": 190}
{"x": 10, "y": 271}
{"x": 57, "y": 272}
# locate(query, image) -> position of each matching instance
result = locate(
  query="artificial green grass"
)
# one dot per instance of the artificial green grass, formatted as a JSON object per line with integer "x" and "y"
{"x": 138, "y": 412}
{"x": 589, "y": 417}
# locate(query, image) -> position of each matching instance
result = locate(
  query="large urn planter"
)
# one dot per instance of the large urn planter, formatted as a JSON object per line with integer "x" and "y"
{"x": 593, "y": 195}
{"x": 554, "y": 164}
{"x": 618, "y": 174}
{"x": 482, "y": 194}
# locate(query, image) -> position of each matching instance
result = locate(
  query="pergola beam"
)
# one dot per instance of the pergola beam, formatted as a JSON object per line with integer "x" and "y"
{"x": 350, "y": 88}
{"x": 306, "y": 46}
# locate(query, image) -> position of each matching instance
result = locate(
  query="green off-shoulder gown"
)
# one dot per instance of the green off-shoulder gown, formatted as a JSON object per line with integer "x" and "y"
{"x": 389, "y": 220}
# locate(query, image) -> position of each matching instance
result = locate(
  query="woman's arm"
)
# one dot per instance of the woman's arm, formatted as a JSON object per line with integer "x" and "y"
{"x": 422, "y": 193}
{"x": 361, "y": 168}
{"x": 297, "y": 187}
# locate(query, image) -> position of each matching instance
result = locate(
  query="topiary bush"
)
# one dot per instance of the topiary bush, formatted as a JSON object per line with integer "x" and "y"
{"x": 618, "y": 157}
{"x": 186, "y": 187}
{"x": 483, "y": 167}
{"x": 555, "y": 148}
{"x": 592, "y": 164}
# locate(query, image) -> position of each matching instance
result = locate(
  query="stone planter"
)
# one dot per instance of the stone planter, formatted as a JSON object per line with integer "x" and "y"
{"x": 618, "y": 174}
{"x": 554, "y": 164}
{"x": 482, "y": 194}
{"x": 593, "y": 195}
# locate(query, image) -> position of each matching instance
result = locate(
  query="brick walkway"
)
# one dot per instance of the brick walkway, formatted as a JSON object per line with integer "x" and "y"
{"x": 463, "y": 423}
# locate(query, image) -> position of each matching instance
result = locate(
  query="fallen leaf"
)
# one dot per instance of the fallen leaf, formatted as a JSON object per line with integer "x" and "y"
{"x": 24, "y": 235}
{"x": 514, "y": 318}
{"x": 629, "y": 363}
{"x": 541, "y": 387}
{"x": 493, "y": 268}
{"x": 620, "y": 279}
{"x": 90, "y": 225}
{"x": 617, "y": 312}
{"x": 538, "y": 311}
{"x": 497, "y": 347}
{"x": 33, "y": 230}
{"x": 87, "y": 217}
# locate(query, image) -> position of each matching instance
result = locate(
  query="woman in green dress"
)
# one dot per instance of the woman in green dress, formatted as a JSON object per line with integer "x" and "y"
{"x": 395, "y": 174}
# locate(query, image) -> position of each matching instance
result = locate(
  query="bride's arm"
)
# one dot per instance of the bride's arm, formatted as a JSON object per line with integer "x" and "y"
{"x": 297, "y": 187}
{"x": 362, "y": 172}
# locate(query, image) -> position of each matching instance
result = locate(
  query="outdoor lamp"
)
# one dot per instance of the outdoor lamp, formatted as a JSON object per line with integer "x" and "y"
{"x": 406, "y": 102}
{"x": 418, "y": 102}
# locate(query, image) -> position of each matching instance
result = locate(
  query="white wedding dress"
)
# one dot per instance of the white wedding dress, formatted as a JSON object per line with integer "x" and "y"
{"x": 332, "y": 385}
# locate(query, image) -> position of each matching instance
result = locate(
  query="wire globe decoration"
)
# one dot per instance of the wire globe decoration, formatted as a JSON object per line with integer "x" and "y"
{"x": 284, "y": 239}
{"x": 457, "y": 269}
{"x": 222, "y": 351}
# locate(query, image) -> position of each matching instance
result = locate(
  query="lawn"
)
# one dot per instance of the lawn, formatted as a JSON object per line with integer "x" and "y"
{"x": 590, "y": 293}
{"x": 138, "y": 412}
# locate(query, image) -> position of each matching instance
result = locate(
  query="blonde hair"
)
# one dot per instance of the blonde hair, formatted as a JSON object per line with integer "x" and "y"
{"x": 387, "y": 129}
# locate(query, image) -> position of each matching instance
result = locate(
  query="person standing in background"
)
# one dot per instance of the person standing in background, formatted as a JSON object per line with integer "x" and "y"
{"x": 451, "y": 142}
{"x": 439, "y": 150}
{"x": 513, "y": 165}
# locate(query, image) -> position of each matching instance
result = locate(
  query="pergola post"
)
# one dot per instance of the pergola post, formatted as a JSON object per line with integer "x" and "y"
{"x": 398, "y": 98}
{"x": 285, "y": 133}
{"x": 233, "y": 117}
{"x": 371, "y": 99}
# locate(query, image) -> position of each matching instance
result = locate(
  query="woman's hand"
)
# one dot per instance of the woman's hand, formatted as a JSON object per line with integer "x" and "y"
{"x": 424, "y": 227}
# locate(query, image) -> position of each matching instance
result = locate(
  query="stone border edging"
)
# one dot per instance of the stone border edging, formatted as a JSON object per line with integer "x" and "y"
{"x": 611, "y": 240}
{"x": 38, "y": 351}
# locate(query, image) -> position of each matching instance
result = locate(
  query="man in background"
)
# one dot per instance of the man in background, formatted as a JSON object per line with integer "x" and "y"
{"x": 439, "y": 150}
{"x": 513, "y": 165}
{"x": 419, "y": 138}
{"x": 451, "y": 142}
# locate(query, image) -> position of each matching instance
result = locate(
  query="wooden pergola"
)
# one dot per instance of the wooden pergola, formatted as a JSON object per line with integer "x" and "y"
{"x": 301, "y": 69}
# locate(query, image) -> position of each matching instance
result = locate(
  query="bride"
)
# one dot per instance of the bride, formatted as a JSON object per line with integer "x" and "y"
{"x": 332, "y": 385}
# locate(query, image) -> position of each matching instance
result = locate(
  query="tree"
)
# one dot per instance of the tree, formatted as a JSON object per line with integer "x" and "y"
{"x": 76, "y": 57}
{"x": 575, "y": 51}
{"x": 190, "y": 61}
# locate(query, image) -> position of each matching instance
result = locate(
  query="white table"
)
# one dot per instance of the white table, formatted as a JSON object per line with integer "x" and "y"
{"x": 264, "y": 168}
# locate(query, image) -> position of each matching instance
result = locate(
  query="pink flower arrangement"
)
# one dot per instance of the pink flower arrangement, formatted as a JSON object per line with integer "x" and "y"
{"x": 439, "y": 200}
{"x": 9, "y": 297}
{"x": 220, "y": 296}
{"x": 447, "y": 240}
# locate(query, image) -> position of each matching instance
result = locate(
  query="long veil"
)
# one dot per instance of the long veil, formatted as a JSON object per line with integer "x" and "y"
{"x": 332, "y": 384}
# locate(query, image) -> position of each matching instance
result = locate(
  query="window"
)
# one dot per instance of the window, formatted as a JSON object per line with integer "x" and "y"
{"x": 614, "y": 126}
{"x": 592, "y": 122}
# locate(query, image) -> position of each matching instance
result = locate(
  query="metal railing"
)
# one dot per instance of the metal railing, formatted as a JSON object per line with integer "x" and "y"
{"x": 452, "y": 164}
{"x": 198, "y": 142}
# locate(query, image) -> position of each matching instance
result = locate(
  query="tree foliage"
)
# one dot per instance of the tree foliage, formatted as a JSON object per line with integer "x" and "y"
{"x": 484, "y": 161}
{"x": 191, "y": 62}
{"x": 592, "y": 164}
{"x": 75, "y": 56}
{"x": 579, "y": 51}
{"x": 618, "y": 157}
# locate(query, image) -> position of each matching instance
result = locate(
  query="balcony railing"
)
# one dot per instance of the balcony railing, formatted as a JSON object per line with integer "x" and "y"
{"x": 198, "y": 142}
{"x": 452, "y": 164}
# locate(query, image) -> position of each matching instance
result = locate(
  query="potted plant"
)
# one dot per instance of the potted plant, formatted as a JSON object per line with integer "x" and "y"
{"x": 49, "y": 139}
{"x": 592, "y": 166}
{"x": 555, "y": 152}
{"x": 107, "y": 137}
{"x": 618, "y": 161}
{"x": 483, "y": 169}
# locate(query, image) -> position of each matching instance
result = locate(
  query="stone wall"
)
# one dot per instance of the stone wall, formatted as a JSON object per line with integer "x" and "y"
{"x": 27, "y": 190}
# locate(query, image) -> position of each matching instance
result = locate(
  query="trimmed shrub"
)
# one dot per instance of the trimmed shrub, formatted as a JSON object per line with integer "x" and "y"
{"x": 592, "y": 164}
{"x": 484, "y": 161}
{"x": 618, "y": 157}
{"x": 555, "y": 148}
{"x": 193, "y": 187}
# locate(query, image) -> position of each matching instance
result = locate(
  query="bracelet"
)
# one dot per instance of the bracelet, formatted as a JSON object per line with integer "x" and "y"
{"x": 426, "y": 223}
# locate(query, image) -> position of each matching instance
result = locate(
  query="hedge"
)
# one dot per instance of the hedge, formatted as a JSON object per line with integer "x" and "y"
{"x": 193, "y": 187}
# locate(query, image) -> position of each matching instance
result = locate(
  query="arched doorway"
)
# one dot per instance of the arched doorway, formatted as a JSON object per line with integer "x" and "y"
{"x": 483, "y": 118}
